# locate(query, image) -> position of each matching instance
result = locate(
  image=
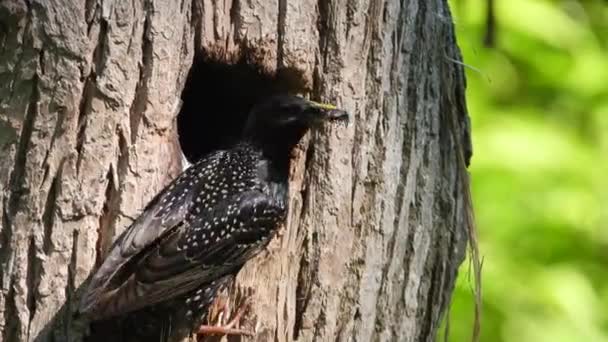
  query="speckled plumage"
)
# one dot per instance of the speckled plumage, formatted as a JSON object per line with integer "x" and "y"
{"x": 197, "y": 233}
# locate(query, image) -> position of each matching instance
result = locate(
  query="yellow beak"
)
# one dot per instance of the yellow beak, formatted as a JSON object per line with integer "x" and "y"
{"x": 325, "y": 106}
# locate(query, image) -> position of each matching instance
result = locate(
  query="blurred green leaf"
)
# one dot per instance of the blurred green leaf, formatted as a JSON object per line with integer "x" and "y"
{"x": 539, "y": 109}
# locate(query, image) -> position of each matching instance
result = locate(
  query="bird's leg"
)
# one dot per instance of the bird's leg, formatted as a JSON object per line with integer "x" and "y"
{"x": 219, "y": 330}
{"x": 228, "y": 328}
{"x": 239, "y": 313}
{"x": 218, "y": 309}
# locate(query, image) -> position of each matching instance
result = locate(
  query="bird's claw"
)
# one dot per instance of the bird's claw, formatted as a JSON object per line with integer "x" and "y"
{"x": 230, "y": 328}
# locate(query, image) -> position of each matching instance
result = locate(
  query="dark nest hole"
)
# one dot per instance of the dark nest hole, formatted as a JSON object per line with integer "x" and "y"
{"x": 217, "y": 98}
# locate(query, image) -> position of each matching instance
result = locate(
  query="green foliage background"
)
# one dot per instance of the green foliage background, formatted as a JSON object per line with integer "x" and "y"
{"x": 539, "y": 108}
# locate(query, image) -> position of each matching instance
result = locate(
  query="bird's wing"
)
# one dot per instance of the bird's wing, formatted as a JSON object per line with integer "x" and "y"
{"x": 195, "y": 253}
{"x": 162, "y": 215}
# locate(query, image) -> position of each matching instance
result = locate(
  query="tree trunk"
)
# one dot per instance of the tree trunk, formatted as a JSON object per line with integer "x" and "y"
{"x": 89, "y": 95}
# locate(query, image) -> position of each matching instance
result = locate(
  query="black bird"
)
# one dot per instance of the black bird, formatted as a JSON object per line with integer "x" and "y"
{"x": 197, "y": 233}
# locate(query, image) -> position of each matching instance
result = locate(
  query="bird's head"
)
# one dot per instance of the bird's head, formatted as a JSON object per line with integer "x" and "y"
{"x": 282, "y": 120}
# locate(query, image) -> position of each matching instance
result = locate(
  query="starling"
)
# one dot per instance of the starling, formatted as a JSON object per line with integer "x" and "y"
{"x": 198, "y": 232}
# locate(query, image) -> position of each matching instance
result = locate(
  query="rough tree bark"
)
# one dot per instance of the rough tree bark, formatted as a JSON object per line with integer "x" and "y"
{"x": 89, "y": 92}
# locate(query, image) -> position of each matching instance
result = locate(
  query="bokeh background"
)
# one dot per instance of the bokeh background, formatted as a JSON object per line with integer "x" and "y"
{"x": 538, "y": 100}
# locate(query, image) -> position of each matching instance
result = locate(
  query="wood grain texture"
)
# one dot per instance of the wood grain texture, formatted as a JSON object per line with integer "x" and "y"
{"x": 89, "y": 92}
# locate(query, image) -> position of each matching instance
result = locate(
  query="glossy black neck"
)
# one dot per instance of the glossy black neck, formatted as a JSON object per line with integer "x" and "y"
{"x": 277, "y": 149}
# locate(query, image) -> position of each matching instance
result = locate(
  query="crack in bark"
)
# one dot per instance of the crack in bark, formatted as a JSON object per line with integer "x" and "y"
{"x": 429, "y": 313}
{"x": 235, "y": 18}
{"x": 41, "y": 63}
{"x": 32, "y": 281}
{"x": 397, "y": 35}
{"x": 106, "y": 228}
{"x": 35, "y": 261}
{"x": 61, "y": 116}
{"x": 442, "y": 275}
{"x": 91, "y": 10}
{"x": 348, "y": 305}
{"x": 111, "y": 206}
{"x": 306, "y": 278}
{"x": 48, "y": 214}
{"x": 457, "y": 248}
{"x": 302, "y": 293}
{"x": 83, "y": 108}
{"x": 90, "y": 88}
{"x": 304, "y": 282}
{"x": 322, "y": 28}
{"x": 70, "y": 288}
{"x": 27, "y": 29}
{"x": 413, "y": 216}
{"x": 319, "y": 324}
{"x": 301, "y": 300}
{"x": 13, "y": 200}
{"x": 136, "y": 112}
{"x": 18, "y": 174}
{"x": 196, "y": 24}
{"x": 281, "y": 22}
{"x": 12, "y": 327}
